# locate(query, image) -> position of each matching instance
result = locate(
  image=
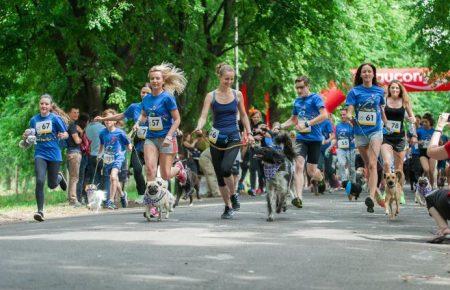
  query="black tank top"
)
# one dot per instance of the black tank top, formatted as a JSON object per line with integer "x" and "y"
{"x": 396, "y": 116}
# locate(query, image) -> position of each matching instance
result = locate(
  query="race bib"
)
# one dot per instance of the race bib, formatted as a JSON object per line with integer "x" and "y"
{"x": 367, "y": 118}
{"x": 343, "y": 144}
{"x": 426, "y": 143}
{"x": 213, "y": 135}
{"x": 155, "y": 123}
{"x": 44, "y": 127}
{"x": 141, "y": 132}
{"x": 306, "y": 130}
{"x": 395, "y": 126}
{"x": 108, "y": 158}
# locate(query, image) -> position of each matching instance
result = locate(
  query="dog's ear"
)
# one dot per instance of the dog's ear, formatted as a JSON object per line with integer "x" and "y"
{"x": 399, "y": 174}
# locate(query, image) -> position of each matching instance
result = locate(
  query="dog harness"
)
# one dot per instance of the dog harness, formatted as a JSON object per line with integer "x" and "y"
{"x": 424, "y": 191}
{"x": 148, "y": 200}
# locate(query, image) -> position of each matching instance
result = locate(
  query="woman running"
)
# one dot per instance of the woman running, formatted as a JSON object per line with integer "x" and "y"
{"x": 424, "y": 134}
{"x": 159, "y": 110}
{"x": 48, "y": 128}
{"x": 366, "y": 99}
{"x": 225, "y": 103}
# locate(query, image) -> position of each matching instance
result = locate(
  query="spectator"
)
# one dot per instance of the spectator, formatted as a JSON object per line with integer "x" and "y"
{"x": 93, "y": 174}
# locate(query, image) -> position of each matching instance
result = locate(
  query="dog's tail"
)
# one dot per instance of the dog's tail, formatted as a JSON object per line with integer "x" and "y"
{"x": 283, "y": 138}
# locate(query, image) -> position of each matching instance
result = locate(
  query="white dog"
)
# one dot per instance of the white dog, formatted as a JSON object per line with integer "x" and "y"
{"x": 95, "y": 197}
{"x": 159, "y": 197}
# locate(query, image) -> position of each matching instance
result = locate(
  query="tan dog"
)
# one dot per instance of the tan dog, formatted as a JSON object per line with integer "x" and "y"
{"x": 394, "y": 188}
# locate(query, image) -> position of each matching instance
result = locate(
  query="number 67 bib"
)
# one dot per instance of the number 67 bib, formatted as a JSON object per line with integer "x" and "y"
{"x": 367, "y": 118}
{"x": 155, "y": 123}
{"x": 44, "y": 127}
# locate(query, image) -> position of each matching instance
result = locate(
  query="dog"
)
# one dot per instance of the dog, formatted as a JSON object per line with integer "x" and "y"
{"x": 394, "y": 188}
{"x": 157, "y": 197}
{"x": 95, "y": 197}
{"x": 192, "y": 186}
{"x": 423, "y": 188}
{"x": 441, "y": 182}
{"x": 279, "y": 172}
{"x": 360, "y": 179}
{"x": 29, "y": 139}
{"x": 353, "y": 190}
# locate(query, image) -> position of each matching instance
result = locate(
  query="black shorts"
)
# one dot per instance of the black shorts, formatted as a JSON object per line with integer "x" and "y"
{"x": 423, "y": 153}
{"x": 398, "y": 143}
{"x": 440, "y": 200}
{"x": 310, "y": 150}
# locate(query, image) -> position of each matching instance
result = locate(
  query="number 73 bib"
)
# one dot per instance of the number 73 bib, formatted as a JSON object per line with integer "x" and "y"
{"x": 155, "y": 123}
{"x": 44, "y": 127}
{"x": 367, "y": 118}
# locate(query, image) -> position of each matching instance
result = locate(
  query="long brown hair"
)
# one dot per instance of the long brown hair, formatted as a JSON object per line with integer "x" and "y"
{"x": 403, "y": 93}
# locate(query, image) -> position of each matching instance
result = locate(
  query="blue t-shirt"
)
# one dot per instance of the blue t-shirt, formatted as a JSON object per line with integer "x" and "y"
{"x": 327, "y": 129}
{"x": 367, "y": 102}
{"x": 133, "y": 112}
{"x": 114, "y": 142}
{"x": 47, "y": 142}
{"x": 307, "y": 108}
{"x": 424, "y": 135}
{"x": 158, "y": 110}
{"x": 344, "y": 131}
{"x": 93, "y": 130}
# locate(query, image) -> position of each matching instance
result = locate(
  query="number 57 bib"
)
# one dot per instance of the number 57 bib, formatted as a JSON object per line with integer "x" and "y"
{"x": 367, "y": 118}
{"x": 155, "y": 123}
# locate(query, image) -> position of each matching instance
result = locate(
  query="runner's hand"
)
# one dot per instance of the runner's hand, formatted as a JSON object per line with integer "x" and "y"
{"x": 442, "y": 121}
{"x": 198, "y": 131}
{"x": 250, "y": 138}
{"x": 167, "y": 141}
{"x": 98, "y": 119}
{"x": 135, "y": 127}
{"x": 63, "y": 135}
{"x": 300, "y": 126}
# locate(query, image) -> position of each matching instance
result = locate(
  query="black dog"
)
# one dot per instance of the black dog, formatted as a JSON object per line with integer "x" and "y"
{"x": 187, "y": 190}
{"x": 355, "y": 189}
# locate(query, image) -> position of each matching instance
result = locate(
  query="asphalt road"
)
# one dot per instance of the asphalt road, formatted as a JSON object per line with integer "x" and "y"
{"x": 329, "y": 244}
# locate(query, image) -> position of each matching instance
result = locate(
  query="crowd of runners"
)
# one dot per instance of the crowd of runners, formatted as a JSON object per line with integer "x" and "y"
{"x": 375, "y": 131}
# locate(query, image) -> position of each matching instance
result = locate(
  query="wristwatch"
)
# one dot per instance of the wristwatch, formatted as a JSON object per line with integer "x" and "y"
{"x": 306, "y": 124}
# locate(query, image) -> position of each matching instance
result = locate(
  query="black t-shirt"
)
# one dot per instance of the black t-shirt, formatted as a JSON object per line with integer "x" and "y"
{"x": 71, "y": 145}
{"x": 440, "y": 200}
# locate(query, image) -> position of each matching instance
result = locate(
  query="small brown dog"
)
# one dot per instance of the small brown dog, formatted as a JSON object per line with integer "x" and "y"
{"x": 394, "y": 189}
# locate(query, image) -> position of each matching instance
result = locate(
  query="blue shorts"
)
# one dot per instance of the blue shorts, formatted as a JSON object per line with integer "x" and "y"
{"x": 364, "y": 140}
{"x": 117, "y": 163}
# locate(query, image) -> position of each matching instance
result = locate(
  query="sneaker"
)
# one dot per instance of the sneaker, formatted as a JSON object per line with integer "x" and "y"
{"x": 181, "y": 176}
{"x": 258, "y": 191}
{"x": 110, "y": 205}
{"x": 369, "y": 203}
{"x": 140, "y": 199}
{"x": 228, "y": 213}
{"x": 251, "y": 192}
{"x": 402, "y": 199}
{"x": 235, "y": 202}
{"x": 39, "y": 216}
{"x": 62, "y": 182}
{"x": 124, "y": 199}
{"x": 380, "y": 199}
{"x": 76, "y": 204}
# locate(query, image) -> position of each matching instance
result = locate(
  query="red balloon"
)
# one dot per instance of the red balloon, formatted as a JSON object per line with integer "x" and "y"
{"x": 334, "y": 99}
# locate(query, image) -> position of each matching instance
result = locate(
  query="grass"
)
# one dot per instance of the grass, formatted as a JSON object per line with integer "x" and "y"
{"x": 52, "y": 197}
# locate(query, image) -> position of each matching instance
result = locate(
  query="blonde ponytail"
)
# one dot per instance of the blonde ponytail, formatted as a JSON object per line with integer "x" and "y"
{"x": 174, "y": 79}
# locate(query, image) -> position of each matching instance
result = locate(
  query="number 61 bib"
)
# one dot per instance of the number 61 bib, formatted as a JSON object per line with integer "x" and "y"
{"x": 367, "y": 118}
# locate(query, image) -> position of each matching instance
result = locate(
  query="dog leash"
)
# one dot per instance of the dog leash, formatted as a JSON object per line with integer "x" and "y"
{"x": 203, "y": 137}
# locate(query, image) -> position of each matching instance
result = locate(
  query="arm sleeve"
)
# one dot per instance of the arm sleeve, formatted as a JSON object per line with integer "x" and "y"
{"x": 447, "y": 148}
{"x": 124, "y": 138}
{"x": 294, "y": 111}
{"x": 382, "y": 100}
{"x": 128, "y": 114}
{"x": 170, "y": 103}
{"x": 350, "y": 100}
{"x": 60, "y": 125}
{"x": 319, "y": 102}
{"x": 101, "y": 137}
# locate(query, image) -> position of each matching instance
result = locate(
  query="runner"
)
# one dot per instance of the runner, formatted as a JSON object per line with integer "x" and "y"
{"x": 345, "y": 148}
{"x": 159, "y": 109}
{"x": 366, "y": 99}
{"x": 225, "y": 103}
{"x": 48, "y": 128}
{"x": 133, "y": 112}
{"x": 307, "y": 114}
{"x": 112, "y": 143}
{"x": 424, "y": 136}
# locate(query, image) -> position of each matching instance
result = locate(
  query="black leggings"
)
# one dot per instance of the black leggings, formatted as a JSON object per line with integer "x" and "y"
{"x": 137, "y": 162}
{"x": 42, "y": 167}
{"x": 223, "y": 161}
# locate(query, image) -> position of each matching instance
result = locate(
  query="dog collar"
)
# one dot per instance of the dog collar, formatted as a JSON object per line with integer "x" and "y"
{"x": 152, "y": 201}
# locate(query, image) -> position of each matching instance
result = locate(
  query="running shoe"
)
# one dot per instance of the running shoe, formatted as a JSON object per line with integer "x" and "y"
{"x": 258, "y": 191}
{"x": 140, "y": 199}
{"x": 380, "y": 199}
{"x": 402, "y": 198}
{"x": 76, "y": 204}
{"x": 240, "y": 187}
{"x": 228, "y": 213}
{"x": 235, "y": 202}
{"x": 124, "y": 199}
{"x": 110, "y": 205}
{"x": 297, "y": 202}
{"x": 39, "y": 216}
{"x": 181, "y": 176}
{"x": 369, "y": 203}
{"x": 251, "y": 192}
{"x": 62, "y": 182}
